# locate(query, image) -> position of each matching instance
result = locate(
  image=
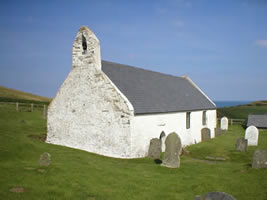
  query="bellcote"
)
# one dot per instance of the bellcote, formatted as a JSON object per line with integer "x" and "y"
{"x": 86, "y": 49}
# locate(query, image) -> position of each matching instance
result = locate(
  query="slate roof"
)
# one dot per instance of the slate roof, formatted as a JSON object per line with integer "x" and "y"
{"x": 154, "y": 92}
{"x": 258, "y": 120}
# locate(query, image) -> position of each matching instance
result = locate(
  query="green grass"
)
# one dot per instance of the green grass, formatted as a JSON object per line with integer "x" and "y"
{"x": 242, "y": 112}
{"x": 75, "y": 174}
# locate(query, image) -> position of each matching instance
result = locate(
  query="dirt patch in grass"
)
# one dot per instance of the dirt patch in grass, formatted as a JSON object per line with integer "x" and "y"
{"x": 17, "y": 189}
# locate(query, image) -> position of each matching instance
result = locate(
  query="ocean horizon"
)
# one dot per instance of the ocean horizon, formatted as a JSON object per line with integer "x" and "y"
{"x": 221, "y": 104}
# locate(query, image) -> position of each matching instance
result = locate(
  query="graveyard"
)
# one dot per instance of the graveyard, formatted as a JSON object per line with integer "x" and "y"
{"x": 212, "y": 165}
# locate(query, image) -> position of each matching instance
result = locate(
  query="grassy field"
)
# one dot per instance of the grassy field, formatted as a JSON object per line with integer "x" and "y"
{"x": 75, "y": 174}
{"x": 11, "y": 95}
{"x": 241, "y": 112}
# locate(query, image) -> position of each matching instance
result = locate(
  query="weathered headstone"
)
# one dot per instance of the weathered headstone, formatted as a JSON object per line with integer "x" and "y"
{"x": 241, "y": 144}
{"x": 162, "y": 138}
{"x": 154, "y": 148}
{"x": 45, "y": 159}
{"x": 171, "y": 157}
{"x": 218, "y": 131}
{"x": 252, "y": 134}
{"x": 224, "y": 123}
{"x": 215, "y": 196}
{"x": 205, "y": 134}
{"x": 259, "y": 159}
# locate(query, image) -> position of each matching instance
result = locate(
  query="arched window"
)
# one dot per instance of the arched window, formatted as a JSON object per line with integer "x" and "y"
{"x": 162, "y": 138}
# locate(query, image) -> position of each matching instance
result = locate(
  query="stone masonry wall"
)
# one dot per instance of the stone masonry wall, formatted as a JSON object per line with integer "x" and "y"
{"x": 88, "y": 112}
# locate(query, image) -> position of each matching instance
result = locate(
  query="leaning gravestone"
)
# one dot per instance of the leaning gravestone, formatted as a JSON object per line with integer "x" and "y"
{"x": 215, "y": 196}
{"x": 259, "y": 159}
{"x": 252, "y": 134}
{"x": 242, "y": 145}
{"x": 154, "y": 148}
{"x": 45, "y": 159}
{"x": 171, "y": 157}
{"x": 205, "y": 134}
{"x": 224, "y": 123}
{"x": 162, "y": 138}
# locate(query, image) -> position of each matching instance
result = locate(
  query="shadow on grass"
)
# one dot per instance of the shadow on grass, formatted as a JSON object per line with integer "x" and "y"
{"x": 157, "y": 161}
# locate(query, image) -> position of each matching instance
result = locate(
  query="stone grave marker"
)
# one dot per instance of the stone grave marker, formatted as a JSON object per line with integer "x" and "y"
{"x": 259, "y": 159}
{"x": 224, "y": 123}
{"x": 205, "y": 134}
{"x": 218, "y": 131}
{"x": 215, "y": 196}
{"x": 252, "y": 134}
{"x": 173, "y": 149}
{"x": 162, "y": 138}
{"x": 45, "y": 159}
{"x": 154, "y": 148}
{"x": 241, "y": 145}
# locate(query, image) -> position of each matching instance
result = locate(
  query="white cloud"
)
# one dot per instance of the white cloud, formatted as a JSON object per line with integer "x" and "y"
{"x": 262, "y": 43}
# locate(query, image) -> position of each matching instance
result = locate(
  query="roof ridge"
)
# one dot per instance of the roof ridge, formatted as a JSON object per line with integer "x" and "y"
{"x": 143, "y": 69}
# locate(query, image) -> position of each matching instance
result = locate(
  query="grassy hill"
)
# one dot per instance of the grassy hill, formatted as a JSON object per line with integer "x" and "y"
{"x": 75, "y": 174}
{"x": 11, "y": 95}
{"x": 242, "y": 112}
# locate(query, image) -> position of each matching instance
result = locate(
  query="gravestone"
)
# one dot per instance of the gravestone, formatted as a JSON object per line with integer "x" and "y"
{"x": 259, "y": 159}
{"x": 154, "y": 148}
{"x": 241, "y": 145}
{"x": 218, "y": 131}
{"x": 45, "y": 159}
{"x": 162, "y": 138}
{"x": 252, "y": 134}
{"x": 205, "y": 134}
{"x": 224, "y": 123}
{"x": 173, "y": 149}
{"x": 215, "y": 196}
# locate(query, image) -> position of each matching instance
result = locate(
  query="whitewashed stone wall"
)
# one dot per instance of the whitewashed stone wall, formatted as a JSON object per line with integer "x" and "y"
{"x": 89, "y": 112}
{"x": 146, "y": 127}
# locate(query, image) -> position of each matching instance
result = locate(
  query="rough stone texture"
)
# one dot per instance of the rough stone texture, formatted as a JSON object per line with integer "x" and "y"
{"x": 241, "y": 144}
{"x": 224, "y": 123}
{"x": 162, "y": 138}
{"x": 218, "y": 131}
{"x": 173, "y": 149}
{"x": 89, "y": 112}
{"x": 45, "y": 159}
{"x": 91, "y": 55}
{"x": 259, "y": 159}
{"x": 215, "y": 196}
{"x": 252, "y": 134}
{"x": 205, "y": 134}
{"x": 154, "y": 148}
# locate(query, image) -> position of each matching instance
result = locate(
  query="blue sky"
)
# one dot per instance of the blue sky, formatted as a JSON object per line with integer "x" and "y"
{"x": 220, "y": 45}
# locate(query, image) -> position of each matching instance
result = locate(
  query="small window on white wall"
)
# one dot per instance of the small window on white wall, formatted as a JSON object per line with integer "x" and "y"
{"x": 204, "y": 118}
{"x": 188, "y": 120}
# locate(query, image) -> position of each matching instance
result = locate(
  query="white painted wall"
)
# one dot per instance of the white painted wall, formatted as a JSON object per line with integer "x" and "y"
{"x": 146, "y": 127}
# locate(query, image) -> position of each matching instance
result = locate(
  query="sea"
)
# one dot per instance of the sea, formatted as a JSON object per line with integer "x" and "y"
{"x": 221, "y": 104}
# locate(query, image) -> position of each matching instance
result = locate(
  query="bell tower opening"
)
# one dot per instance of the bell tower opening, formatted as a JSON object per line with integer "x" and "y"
{"x": 84, "y": 44}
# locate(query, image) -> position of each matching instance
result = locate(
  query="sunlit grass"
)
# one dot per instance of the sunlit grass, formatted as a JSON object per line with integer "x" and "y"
{"x": 75, "y": 174}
